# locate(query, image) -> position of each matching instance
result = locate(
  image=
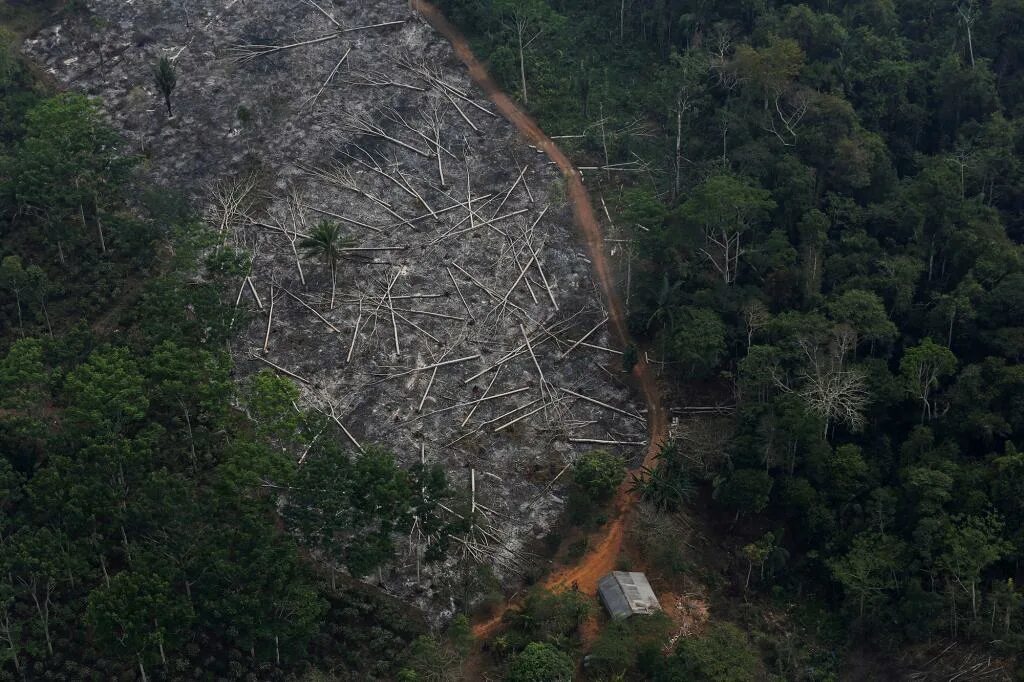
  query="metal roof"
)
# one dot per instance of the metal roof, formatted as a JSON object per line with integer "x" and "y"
{"x": 627, "y": 593}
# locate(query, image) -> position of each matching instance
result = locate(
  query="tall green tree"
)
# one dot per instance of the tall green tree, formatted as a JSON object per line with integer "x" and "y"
{"x": 923, "y": 368}
{"x": 350, "y": 507}
{"x": 16, "y": 281}
{"x": 724, "y": 208}
{"x": 107, "y": 393}
{"x": 868, "y": 570}
{"x": 68, "y": 165}
{"x": 138, "y": 615}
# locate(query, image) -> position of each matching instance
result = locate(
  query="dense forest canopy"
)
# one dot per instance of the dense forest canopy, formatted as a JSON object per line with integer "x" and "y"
{"x": 828, "y": 204}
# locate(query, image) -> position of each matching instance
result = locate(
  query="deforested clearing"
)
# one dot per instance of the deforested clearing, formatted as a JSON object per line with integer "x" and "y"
{"x": 414, "y": 266}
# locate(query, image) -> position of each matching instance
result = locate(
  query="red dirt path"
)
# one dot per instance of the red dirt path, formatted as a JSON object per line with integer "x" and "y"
{"x": 608, "y": 543}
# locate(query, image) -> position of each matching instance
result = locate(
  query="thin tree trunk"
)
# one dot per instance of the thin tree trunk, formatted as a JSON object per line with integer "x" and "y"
{"x": 10, "y": 641}
{"x": 44, "y": 612}
{"x": 522, "y": 64}
{"x": 46, "y": 316}
{"x": 604, "y": 144}
{"x": 970, "y": 43}
{"x": 949, "y": 335}
{"x": 142, "y": 669}
{"x": 127, "y": 548}
{"x": 103, "y": 566}
{"x": 334, "y": 280}
{"x": 160, "y": 644}
{"x": 191, "y": 438}
{"x": 99, "y": 223}
{"x": 629, "y": 274}
{"x": 679, "y": 144}
{"x": 99, "y": 228}
{"x": 21, "y": 323}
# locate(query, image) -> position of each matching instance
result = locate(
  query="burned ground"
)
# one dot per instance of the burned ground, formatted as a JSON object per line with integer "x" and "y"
{"x": 466, "y": 328}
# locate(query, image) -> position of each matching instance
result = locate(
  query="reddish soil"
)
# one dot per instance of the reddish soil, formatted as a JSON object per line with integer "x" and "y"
{"x": 608, "y": 543}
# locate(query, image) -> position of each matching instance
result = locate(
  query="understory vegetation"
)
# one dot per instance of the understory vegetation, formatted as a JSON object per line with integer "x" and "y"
{"x": 825, "y": 207}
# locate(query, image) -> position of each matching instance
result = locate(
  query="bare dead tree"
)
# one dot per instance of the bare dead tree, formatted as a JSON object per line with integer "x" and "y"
{"x": 522, "y": 26}
{"x": 722, "y": 249}
{"x": 248, "y": 52}
{"x": 969, "y": 15}
{"x": 721, "y": 53}
{"x": 232, "y": 200}
{"x": 378, "y": 79}
{"x": 784, "y": 118}
{"x": 682, "y": 106}
{"x": 356, "y": 124}
{"x": 830, "y": 389}
{"x": 755, "y": 318}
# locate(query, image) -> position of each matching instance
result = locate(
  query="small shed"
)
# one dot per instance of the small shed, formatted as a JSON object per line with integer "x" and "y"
{"x": 627, "y": 593}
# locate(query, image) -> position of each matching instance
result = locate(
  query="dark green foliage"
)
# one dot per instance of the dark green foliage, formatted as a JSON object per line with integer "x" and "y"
{"x": 670, "y": 484}
{"x": 598, "y": 474}
{"x": 350, "y": 507}
{"x": 698, "y": 342}
{"x": 17, "y": 91}
{"x": 629, "y": 646}
{"x": 540, "y": 663}
{"x": 138, "y": 614}
{"x": 724, "y": 654}
{"x": 745, "y": 490}
{"x": 369, "y": 635}
{"x": 548, "y": 617}
{"x": 835, "y": 224}
{"x": 165, "y": 77}
{"x": 327, "y": 243}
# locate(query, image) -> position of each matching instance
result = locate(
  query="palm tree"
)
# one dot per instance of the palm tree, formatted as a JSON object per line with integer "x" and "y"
{"x": 667, "y": 486}
{"x": 166, "y": 78}
{"x": 327, "y": 242}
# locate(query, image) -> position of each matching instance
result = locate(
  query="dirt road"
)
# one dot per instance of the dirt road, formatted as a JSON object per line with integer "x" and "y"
{"x": 607, "y": 544}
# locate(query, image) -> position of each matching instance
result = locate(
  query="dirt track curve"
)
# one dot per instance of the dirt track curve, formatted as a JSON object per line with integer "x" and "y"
{"x": 606, "y": 546}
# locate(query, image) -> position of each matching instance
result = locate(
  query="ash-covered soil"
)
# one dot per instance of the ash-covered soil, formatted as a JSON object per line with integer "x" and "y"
{"x": 454, "y": 331}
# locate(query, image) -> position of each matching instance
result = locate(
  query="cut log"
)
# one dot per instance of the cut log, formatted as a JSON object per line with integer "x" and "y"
{"x": 604, "y": 405}
{"x": 310, "y": 309}
{"x": 582, "y": 339}
{"x": 282, "y": 370}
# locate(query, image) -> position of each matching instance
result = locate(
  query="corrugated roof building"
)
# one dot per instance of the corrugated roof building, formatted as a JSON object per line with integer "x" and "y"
{"x": 626, "y": 594}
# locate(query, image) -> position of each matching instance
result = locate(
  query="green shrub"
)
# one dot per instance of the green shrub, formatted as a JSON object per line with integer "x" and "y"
{"x": 623, "y": 644}
{"x": 540, "y": 663}
{"x": 598, "y": 474}
{"x": 724, "y": 654}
